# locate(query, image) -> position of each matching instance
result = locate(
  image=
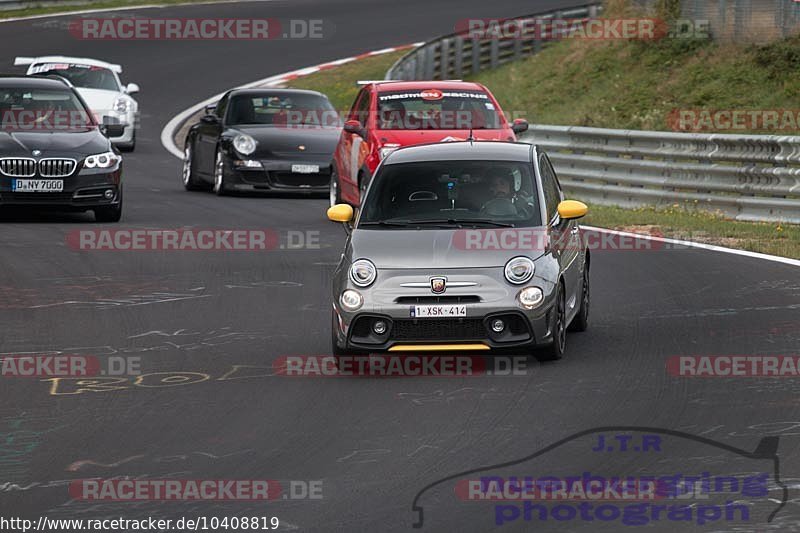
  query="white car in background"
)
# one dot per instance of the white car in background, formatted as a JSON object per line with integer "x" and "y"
{"x": 98, "y": 84}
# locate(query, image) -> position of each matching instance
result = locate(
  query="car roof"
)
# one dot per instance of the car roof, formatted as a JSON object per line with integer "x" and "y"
{"x": 270, "y": 90}
{"x": 385, "y": 86}
{"x": 464, "y": 150}
{"x": 33, "y": 82}
{"x": 67, "y": 59}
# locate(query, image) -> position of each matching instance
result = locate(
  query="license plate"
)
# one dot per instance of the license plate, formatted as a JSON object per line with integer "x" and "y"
{"x": 305, "y": 169}
{"x": 438, "y": 311}
{"x": 37, "y": 185}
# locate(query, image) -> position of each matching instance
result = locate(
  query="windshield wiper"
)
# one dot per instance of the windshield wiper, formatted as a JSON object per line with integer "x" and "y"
{"x": 397, "y": 223}
{"x": 464, "y": 221}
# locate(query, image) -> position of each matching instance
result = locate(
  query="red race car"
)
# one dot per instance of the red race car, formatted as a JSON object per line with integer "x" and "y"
{"x": 389, "y": 114}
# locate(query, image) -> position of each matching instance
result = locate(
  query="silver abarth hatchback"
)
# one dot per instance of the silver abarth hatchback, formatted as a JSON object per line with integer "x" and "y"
{"x": 461, "y": 246}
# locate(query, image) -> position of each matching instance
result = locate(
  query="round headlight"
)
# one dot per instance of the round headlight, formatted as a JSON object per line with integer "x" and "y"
{"x": 244, "y": 144}
{"x": 530, "y": 297}
{"x": 519, "y": 270}
{"x": 363, "y": 272}
{"x": 351, "y": 300}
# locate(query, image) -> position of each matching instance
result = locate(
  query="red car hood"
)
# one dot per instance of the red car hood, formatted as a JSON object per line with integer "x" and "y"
{"x": 411, "y": 137}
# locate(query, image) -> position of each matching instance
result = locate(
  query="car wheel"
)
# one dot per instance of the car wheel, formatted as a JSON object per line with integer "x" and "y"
{"x": 128, "y": 147}
{"x": 556, "y": 350}
{"x": 581, "y": 320}
{"x": 335, "y": 350}
{"x": 219, "y": 175}
{"x": 190, "y": 181}
{"x": 335, "y": 194}
{"x": 110, "y": 213}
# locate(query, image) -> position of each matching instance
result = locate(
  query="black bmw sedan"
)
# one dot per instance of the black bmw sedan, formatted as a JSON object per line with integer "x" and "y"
{"x": 53, "y": 152}
{"x": 263, "y": 140}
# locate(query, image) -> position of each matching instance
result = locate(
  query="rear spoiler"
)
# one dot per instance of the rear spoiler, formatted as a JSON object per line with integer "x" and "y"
{"x": 21, "y": 61}
{"x": 370, "y": 82}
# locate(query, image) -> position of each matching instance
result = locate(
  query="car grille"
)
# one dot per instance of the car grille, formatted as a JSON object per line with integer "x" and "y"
{"x": 56, "y": 168}
{"x": 422, "y": 300}
{"x": 17, "y": 167}
{"x": 435, "y": 329}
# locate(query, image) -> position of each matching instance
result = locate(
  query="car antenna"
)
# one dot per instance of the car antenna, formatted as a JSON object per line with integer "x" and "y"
{"x": 470, "y": 138}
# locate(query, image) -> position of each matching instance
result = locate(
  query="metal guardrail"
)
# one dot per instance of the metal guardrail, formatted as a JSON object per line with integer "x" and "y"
{"x": 746, "y": 177}
{"x": 457, "y": 54}
{"x": 7, "y": 5}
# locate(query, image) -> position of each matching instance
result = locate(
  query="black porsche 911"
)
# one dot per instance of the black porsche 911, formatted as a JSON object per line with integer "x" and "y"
{"x": 263, "y": 140}
{"x": 53, "y": 152}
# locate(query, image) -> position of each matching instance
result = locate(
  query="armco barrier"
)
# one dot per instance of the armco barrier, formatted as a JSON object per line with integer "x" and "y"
{"x": 746, "y": 177}
{"x": 456, "y": 55}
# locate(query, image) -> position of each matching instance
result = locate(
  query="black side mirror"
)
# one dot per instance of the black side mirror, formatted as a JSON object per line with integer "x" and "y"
{"x": 520, "y": 125}
{"x": 111, "y": 127}
{"x": 210, "y": 119}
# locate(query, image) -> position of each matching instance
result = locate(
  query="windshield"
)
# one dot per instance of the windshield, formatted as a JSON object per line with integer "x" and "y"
{"x": 452, "y": 194}
{"x": 436, "y": 110}
{"x": 83, "y": 76}
{"x": 282, "y": 110}
{"x": 47, "y": 109}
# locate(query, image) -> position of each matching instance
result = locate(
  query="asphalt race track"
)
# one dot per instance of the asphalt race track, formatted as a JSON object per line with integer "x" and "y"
{"x": 375, "y": 443}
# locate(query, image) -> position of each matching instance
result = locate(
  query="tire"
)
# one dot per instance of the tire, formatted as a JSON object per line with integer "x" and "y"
{"x": 581, "y": 320}
{"x": 555, "y": 351}
{"x": 335, "y": 194}
{"x": 219, "y": 175}
{"x": 111, "y": 213}
{"x": 190, "y": 181}
{"x": 128, "y": 147}
{"x": 335, "y": 350}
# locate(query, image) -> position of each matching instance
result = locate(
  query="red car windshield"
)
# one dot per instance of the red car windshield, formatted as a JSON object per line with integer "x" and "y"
{"x": 434, "y": 109}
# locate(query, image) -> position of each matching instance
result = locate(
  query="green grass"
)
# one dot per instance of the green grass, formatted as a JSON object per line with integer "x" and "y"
{"x": 616, "y": 84}
{"x": 340, "y": 83}
{"x": 78, "y": 5}
{"x": 700, "y": 226}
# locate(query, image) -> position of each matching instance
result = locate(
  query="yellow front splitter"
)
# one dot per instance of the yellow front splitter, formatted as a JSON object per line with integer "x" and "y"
{"x": 438, "y": 347}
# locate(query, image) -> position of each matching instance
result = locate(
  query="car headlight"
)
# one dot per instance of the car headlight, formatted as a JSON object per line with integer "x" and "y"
{"x": 363, "y": 272}
{"x": 121, "y": 105}
{"x": 351, "y": 300}
{"x": 519, "y": 270}
{"x": 247, "y": 163}
{"x": 104, "y": 160}
{"x": 387, "y": 149}
{"x": 244, "y": 144}
{"x": 530, "y": 297}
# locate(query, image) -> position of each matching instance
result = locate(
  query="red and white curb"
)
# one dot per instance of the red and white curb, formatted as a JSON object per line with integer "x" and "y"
{"x": 168, "y": 133}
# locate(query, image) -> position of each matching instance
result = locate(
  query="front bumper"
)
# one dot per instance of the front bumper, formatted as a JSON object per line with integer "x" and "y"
{"x": 489, "y": 299}
{"x": 81, "y": 191}
{"x": 278, "y": 176}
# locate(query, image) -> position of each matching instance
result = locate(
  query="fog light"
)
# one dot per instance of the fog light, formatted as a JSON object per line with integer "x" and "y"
{"x": 351, "y": 300}
{"x": 530, "y": 297}
{"x": 109, "y": 194}
{"x": 379, "y": 327}
{"x": 498, "y": 325}
{"x": 247, "y": 163}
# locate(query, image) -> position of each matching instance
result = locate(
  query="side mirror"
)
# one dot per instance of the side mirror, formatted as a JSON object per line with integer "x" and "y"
{"x": 111, "y": 127}
{"x": 354, "y": 127}
{"x": 209, "y": 119}
{"x": 131, "y": 88}
{"x": 340, "y": 213}
{"x": 520, "y": 125}
{"x": 210, "y": 108}
{"x": 572, "y": 209}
